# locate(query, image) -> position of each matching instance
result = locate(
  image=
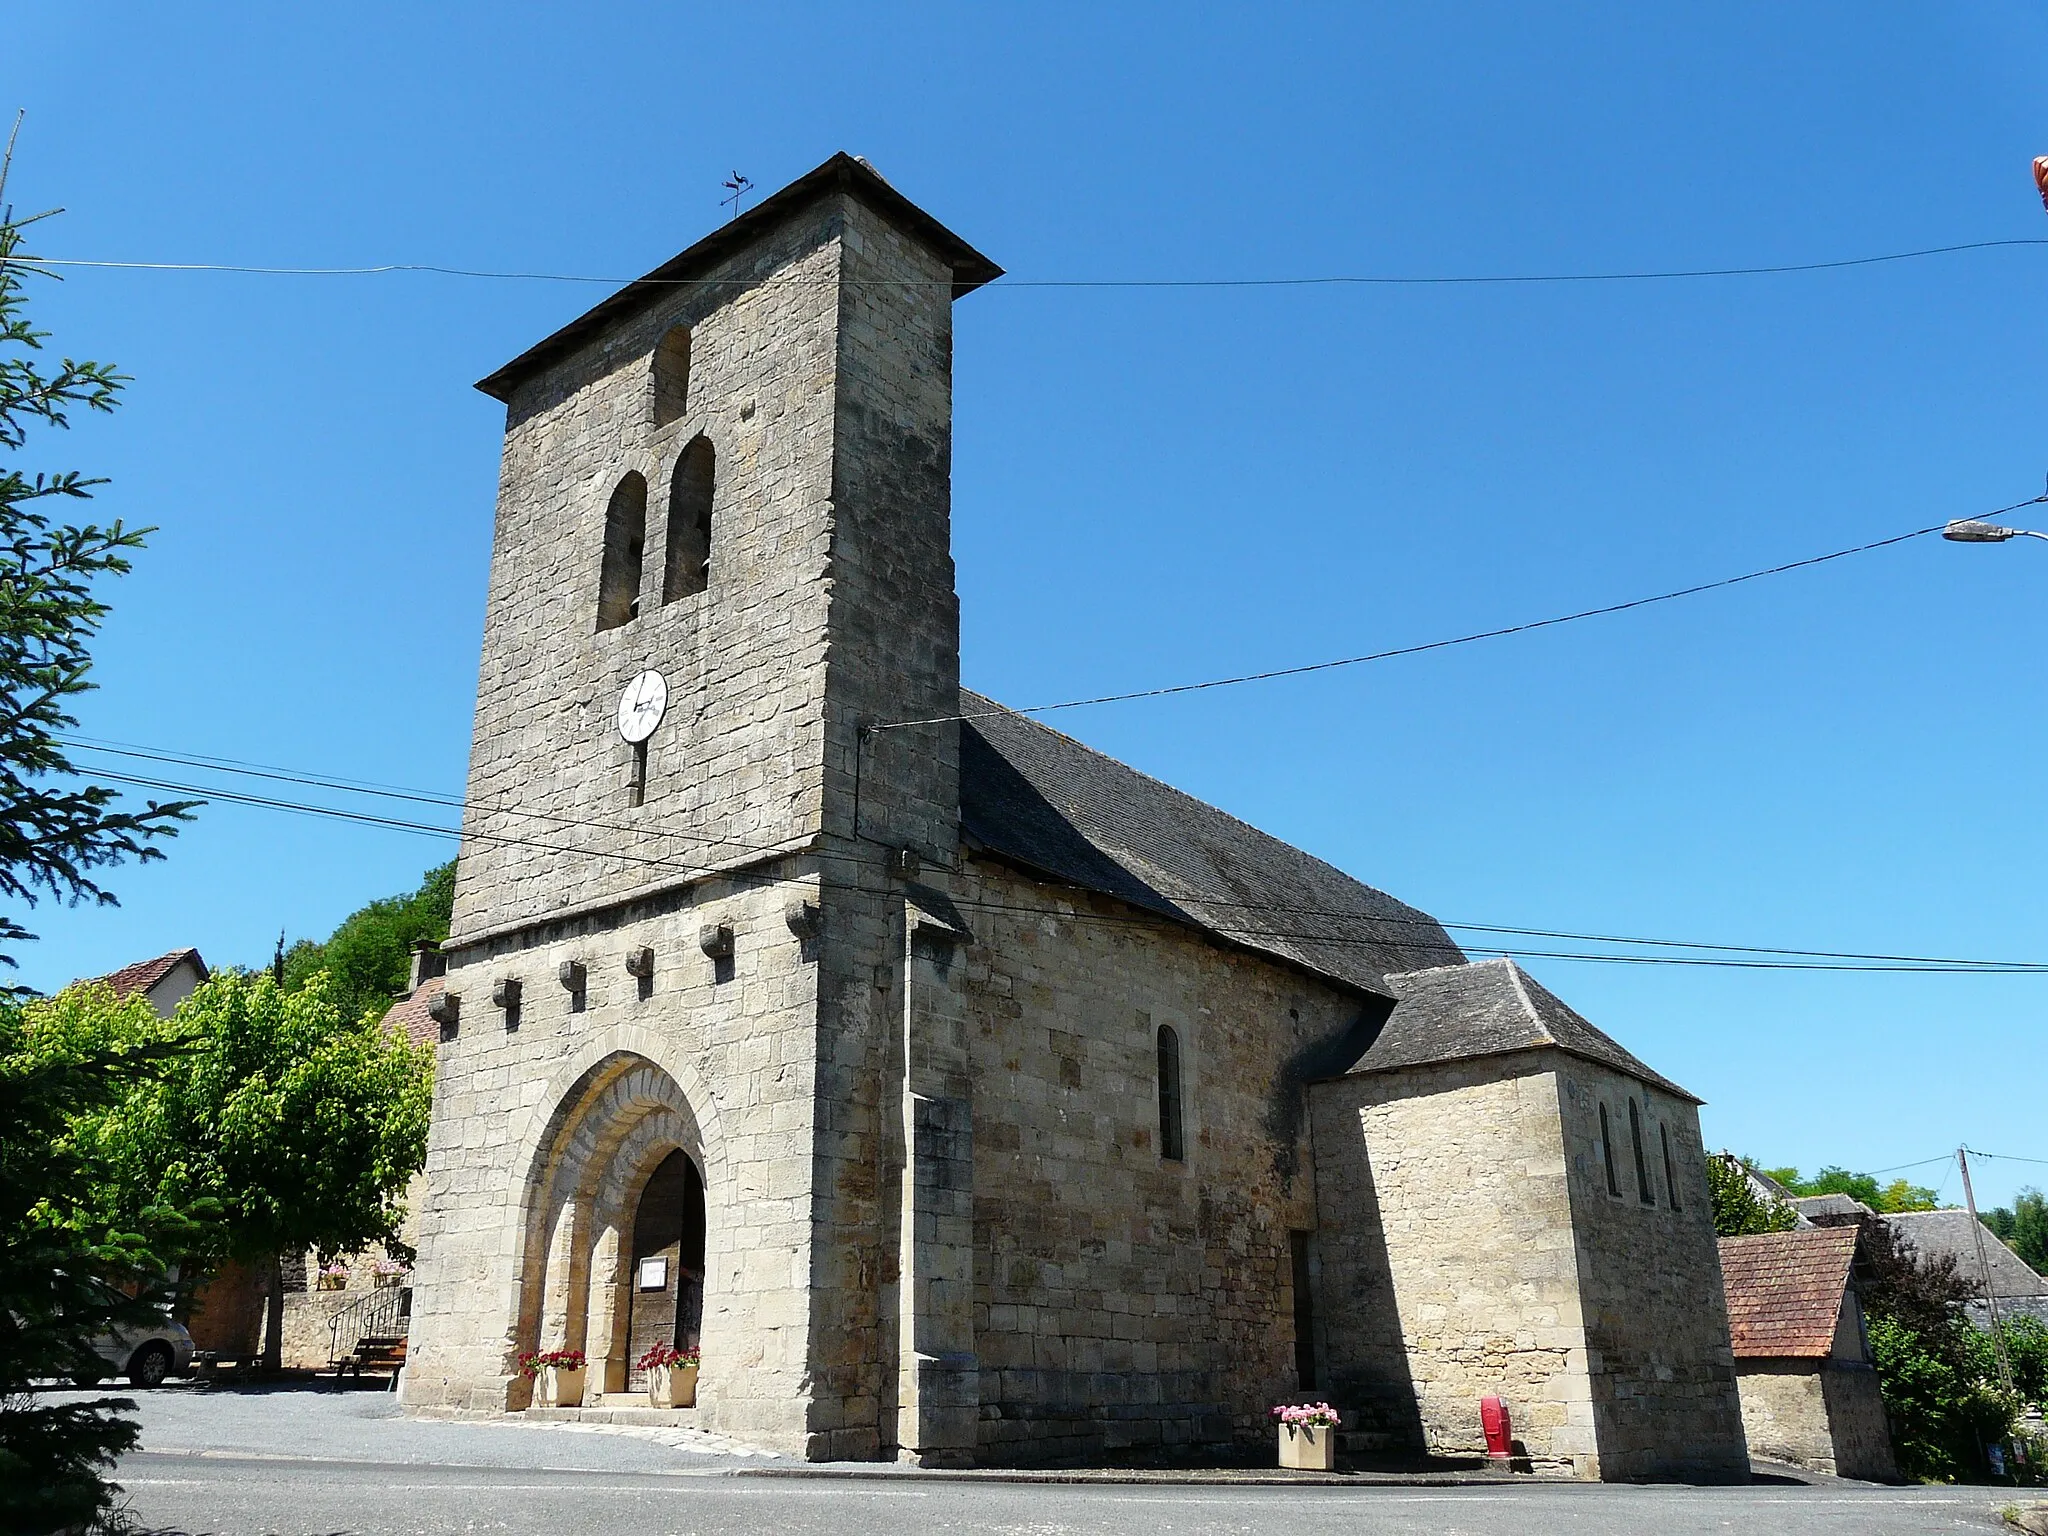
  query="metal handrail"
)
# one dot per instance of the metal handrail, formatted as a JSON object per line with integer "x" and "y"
{"x": 381, "y": 1314}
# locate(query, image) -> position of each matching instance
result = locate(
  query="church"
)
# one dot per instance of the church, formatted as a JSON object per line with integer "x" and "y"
{"x": 967, "y": 1096}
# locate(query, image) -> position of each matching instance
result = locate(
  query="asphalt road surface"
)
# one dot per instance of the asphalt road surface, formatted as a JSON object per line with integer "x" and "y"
{"x": 306, "y": 1461}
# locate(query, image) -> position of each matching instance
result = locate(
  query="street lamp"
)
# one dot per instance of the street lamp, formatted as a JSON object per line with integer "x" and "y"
{"x": 1970, "y": 531}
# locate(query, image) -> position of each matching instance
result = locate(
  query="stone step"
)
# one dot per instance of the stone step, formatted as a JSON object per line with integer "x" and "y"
{"x": 618, "y": 1408}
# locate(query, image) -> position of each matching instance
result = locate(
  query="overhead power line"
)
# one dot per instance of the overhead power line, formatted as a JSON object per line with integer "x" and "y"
{"x": 644, "y": 830}
{"x": 1725, "y": 956}
{"x": 1439, "y": 645}
{"x": 1337, "y": 280}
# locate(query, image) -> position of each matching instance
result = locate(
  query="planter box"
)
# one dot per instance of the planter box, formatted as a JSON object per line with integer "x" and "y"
{"x": 559, "y": 1388}
{"x": 387, "y": 1282}
{"x": 672, "y": 1386}
{"x": 333, "y": 1282}
{"x": 1313, "y": 1449}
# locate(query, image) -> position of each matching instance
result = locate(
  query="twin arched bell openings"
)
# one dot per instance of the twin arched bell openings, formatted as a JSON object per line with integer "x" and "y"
{"x": 686, "y": 557}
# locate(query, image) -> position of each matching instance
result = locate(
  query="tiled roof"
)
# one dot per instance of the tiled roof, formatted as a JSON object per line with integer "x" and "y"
{"x": 1454, "y": 1012}
{"x": 1939, "y": 1232}
{"x": 144, "y": 974}
{"x": 410, "y": 1013}
{"x": 1816, "y": 1208}
{"x": 842, "y": 173}
{"x": 1785, "y": 1291}
{"x": 1044, "y": 801}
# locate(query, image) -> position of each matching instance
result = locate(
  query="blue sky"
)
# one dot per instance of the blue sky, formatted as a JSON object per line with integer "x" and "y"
{"x": 1156, "y": 486}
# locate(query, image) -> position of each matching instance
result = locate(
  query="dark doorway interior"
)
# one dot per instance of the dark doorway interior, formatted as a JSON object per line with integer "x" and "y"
{"x": 666, "y": 1277}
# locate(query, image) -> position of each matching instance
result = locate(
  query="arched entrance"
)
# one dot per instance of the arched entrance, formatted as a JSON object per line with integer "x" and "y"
{"x": 666, "y": 1280}
{"x": 619, "y": 1179}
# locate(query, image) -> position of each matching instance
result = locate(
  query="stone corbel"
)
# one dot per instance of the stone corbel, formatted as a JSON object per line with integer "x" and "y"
{"x": 640, "y": 962}
{"x": 715, "y": 939}
{"x": 803, "y": 918}
{"x": 445, "y": 1009}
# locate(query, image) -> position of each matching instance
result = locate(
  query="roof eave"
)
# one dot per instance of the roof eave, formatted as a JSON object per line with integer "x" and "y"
{"x": 1177, "y": 919}
{"x": 841, "y": 173}
{"x": 1656, "y": 1080}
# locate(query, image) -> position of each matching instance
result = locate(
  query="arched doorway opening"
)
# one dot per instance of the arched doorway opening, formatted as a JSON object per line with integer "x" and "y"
{"x": 619, "y": 1177}
{"x": 665, "y": 1303}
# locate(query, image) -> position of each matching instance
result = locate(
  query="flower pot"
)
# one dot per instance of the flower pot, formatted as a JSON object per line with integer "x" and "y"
{"x": 559, "y": 1387}
{"x": 334, "y": 1282}
{"x": 1311, "y": 1447}
{"x": 672, "y": 1386}
{"x": 386, "y": 1282}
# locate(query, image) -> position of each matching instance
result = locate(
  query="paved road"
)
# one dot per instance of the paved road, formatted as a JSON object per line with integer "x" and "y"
{"x": 315, "y": 1463}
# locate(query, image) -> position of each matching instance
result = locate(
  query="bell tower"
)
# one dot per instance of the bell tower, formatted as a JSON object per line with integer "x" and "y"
{"x": 722, "y": 553}
{"x": 726, "y": 486}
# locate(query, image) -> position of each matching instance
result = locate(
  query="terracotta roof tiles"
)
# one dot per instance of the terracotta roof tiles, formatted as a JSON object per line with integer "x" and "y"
{"x": 1785, "y": 1291}
{"x": 410, "y": 1013}
{"x": 144, "y": 974}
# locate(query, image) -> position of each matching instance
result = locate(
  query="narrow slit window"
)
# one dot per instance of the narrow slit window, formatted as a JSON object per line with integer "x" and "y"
{"x": 625, "y": 542}
{"x": 636, "y": 783}
{"x": 1172, "y": 1142}
{"x": 687, "y": 568}
{"x": 1304, "y": 1309}
{"x": 1607, "y": 1153}
{"x": 1645, "y": 1190}
{"x": 671, "y": 377}
{"x": 1670, "y": 1168}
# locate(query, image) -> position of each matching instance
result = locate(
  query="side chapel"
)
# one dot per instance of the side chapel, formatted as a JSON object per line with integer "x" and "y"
{"x": 979, "y": 1098}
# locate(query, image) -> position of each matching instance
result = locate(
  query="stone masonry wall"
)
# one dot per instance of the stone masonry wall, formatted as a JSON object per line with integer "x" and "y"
{"x": 1448, "y": 1269}
{"x": 1663, "y": 1371}
{"x": 738, "y": 1042}
{"x": 894, "y": 656}
{"x": 1785, "y": 1412}
{"x": 1123, "y": 1300}
{"x": 738, "y": 761}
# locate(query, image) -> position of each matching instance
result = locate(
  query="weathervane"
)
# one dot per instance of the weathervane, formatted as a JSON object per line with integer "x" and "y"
{"x": 739, "y": 186}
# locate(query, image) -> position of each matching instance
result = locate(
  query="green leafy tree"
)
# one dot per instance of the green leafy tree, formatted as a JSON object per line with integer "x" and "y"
{"x": 369, "y": 956}
{"x": 1899, "y": 1195}
{"x": 1938, "y": 1374}
{"x": 300, "y": 1123}
{"x": 1739, "y": 1209}
{"x": 2023, "y": 1227}
{"x": 68, "y": 1273}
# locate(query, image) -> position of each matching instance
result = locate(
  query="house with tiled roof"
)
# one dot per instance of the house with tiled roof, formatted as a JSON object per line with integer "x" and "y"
{"x": 166, "y": 981}
{"x": 356, "y": 1308}
{"x": 1982, "y": 1255}
{"x": 1802, "y": 1358}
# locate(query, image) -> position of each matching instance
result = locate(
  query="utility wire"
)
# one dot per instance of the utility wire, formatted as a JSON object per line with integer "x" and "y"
{"x": 2020, "y": 967}
{"x": 1332, "y": 281}
{"x": 1238, "y": 932}
{"x": 1438, "y": 645}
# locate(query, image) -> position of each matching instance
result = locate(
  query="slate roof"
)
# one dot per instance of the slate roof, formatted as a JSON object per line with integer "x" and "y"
{"x": 1455, "y": 1012}
{"x": 1785, "y": 1291}
{"x": 1939, "y": 1232}
{"x": 410, "y": 1013}
{"x": 842, "y": 173}
{"x": 1834, "y": 1206}
{"x": 144, "y": 974}
{"x": 1045, "y": 802}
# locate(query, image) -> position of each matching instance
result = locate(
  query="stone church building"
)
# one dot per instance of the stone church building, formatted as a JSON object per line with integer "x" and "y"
{"x": 969, "y": 1096}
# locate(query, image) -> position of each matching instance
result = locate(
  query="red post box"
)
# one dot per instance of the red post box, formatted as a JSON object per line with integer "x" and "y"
{"x": 1500, "y": 1434}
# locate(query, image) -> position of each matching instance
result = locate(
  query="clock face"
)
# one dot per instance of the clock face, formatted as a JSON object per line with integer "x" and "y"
{"x": 640, "y": 706}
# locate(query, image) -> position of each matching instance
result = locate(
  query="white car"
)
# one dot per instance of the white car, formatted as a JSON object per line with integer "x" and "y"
{"x": 146, "y": 1353}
